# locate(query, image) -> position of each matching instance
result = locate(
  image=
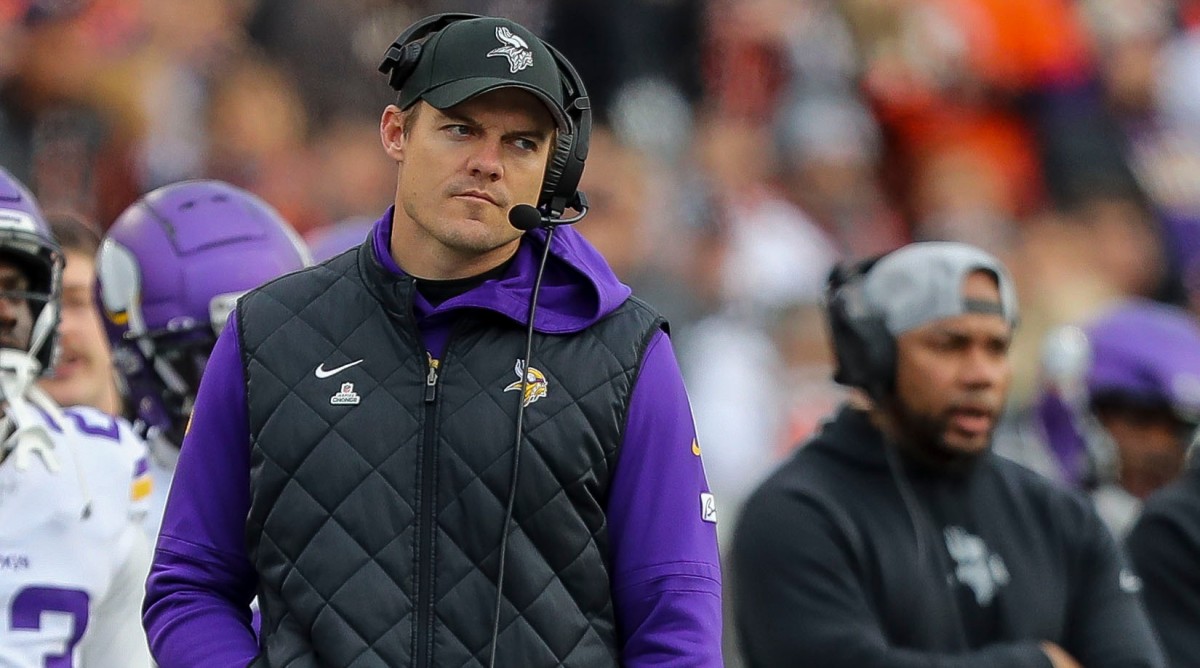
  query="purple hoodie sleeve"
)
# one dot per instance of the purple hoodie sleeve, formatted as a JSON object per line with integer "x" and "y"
{"x": 666, "y": 568}
{"x": 201, "y": 583}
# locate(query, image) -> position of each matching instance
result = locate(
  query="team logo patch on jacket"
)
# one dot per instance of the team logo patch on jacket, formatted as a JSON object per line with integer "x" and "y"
{"x": 537, "y": 388}
{"x": 976, "y": 566}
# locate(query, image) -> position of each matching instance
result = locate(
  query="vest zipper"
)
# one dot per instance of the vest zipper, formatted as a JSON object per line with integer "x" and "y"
{"x": 431, "y": 383}
{"x": 425, "y": 557}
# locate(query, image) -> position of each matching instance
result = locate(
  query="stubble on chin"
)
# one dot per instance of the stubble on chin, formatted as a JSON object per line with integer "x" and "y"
{"x": 925, "y": 441}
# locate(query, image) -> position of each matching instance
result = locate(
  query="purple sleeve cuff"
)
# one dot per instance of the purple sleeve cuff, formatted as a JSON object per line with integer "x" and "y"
{"x": 201, "y": 583}
{"x": 666, "y": 572}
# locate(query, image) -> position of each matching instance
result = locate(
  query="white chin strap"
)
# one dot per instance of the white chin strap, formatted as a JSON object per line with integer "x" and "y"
{"x": 29, "y": 437}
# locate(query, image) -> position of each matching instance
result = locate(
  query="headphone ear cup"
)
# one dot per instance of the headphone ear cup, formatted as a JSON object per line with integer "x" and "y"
{"x": 879, "y": 353}
{"x": 864, "y": 353}
{"x": 848, "y": 347}
{"x": 557, "y": 182}
{"x": 401, "y": 60}
{"x": 864, "y": 350}
{"x": 402, "y": 56}
{"x": 560, "y": 189}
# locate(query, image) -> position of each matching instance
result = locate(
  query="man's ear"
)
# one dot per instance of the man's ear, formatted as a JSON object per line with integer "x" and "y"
{"x": 391, "y": 132}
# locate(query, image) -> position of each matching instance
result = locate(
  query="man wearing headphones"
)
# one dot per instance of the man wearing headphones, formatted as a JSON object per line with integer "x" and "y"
{"x": 895, "y": 537}
{"x": 410, "y": 457}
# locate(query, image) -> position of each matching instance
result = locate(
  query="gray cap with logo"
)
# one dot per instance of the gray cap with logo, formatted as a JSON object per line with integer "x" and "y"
{"x": 471, "y": 57}
{"x": 923, "y": 282}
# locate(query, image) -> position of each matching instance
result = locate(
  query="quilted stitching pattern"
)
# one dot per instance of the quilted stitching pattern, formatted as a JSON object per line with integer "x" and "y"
{"x": 334, "y": 521}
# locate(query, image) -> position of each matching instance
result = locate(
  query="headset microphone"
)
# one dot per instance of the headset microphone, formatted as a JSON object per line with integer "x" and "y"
{"x": 526, "y": 217}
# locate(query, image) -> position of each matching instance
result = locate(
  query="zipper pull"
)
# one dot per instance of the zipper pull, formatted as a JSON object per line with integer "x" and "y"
{"x": 431, "y": 382}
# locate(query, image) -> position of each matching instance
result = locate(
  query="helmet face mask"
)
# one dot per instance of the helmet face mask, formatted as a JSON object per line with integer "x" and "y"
{"x": 26, "y": 243}
{"x": 169, "y": 270}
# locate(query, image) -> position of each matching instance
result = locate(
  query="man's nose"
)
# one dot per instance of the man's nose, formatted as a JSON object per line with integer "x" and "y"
{"x": 9, "y": 305}
{"x": 486, "y": 160}
{"x": 984, "y": 367}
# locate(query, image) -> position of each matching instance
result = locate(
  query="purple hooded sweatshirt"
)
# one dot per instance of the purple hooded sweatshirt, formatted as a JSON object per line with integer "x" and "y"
{"x": 666, "y": 579}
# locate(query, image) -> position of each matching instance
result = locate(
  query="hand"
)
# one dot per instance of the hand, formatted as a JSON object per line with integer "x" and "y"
{"x": 1059, "y": 657}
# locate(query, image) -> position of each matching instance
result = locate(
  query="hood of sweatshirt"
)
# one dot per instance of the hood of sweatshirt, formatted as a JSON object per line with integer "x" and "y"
{"x": 578, "y": 287}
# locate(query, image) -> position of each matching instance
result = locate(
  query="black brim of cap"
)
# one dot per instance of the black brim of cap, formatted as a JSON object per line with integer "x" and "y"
{"x": 457, "y": 92}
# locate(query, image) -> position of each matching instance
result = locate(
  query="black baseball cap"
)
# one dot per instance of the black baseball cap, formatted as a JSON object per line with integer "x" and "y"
{"x": 474, "y": 56}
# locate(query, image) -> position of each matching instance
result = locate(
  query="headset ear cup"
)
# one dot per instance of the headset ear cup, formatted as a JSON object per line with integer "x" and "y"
{"x": 402, "y": 56}
{"x": 565, "y": 167}
{"x": 879, "y": 352}
{"x": 554, "y": 186}
{"x": 864, "y": 350}
{"x": 864, "y": 353}
{"x": 405, "y": 61}
{"x": 849, "y": 350}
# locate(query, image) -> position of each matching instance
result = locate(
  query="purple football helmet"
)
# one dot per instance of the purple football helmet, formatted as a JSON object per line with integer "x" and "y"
{"x": 1139, "y": 353}
{"x": 26, "y": 241}
{"x": 169, "y": 272}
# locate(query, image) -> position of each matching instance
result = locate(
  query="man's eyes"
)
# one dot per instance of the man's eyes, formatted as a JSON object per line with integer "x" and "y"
{"x": 525, "y": 144}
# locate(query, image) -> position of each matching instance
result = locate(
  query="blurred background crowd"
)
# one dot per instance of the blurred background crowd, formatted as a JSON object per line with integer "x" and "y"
{"x": 743, "y": 147}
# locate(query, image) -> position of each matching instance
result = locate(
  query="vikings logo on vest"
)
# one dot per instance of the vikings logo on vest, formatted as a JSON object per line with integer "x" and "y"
{"x": 515, "y": 49}
{"x": 537, "y": 387}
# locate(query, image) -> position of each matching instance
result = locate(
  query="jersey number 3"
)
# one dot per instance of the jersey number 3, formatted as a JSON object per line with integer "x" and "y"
{"x": 29, "y": 604}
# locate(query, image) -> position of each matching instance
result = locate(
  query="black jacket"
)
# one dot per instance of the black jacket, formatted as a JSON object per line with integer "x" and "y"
{"x": 1165, "y": 549}
{"x": 834, "y": 567}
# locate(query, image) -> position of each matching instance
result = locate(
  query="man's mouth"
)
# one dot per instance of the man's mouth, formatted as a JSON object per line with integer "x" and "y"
{"x": 972, "y": 421}
{"x": 477, "y": 195}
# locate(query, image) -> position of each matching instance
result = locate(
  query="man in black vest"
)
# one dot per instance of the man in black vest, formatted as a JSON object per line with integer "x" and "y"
{"x": 406, "y": 462}
{"x": 895, "y": 537}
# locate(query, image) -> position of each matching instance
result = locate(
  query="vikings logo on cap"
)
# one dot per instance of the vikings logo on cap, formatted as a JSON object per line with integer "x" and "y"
{"x": 537, "y": 387}
{"x": 515, "y": 49}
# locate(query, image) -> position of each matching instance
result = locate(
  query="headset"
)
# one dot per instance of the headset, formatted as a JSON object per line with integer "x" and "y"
{"x": 560, "y": 188}
{"x": 864, "y": 350}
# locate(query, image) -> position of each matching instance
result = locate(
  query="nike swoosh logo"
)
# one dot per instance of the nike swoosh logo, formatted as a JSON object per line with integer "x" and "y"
{"x": 322, "y": 372}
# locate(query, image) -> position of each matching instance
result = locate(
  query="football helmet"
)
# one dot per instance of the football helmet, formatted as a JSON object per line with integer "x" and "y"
{"x": 1139, "y": 353}
{"x": 25, "y": 240}
{"x": 169, "y": 272}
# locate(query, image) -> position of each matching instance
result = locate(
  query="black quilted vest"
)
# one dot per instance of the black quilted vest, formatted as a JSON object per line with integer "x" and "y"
{"x": 377, "y": 492}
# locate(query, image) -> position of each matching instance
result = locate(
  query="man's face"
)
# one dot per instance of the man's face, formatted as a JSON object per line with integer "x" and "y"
{"x": 952, "y": 377}
{"x": 84, "y": 372}
{"x": 1151, "y": 443}
{"x": 16, "y": 316}
{"x": 461, "y": 170}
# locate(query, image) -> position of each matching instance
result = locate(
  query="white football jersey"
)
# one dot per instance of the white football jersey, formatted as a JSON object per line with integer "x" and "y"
{"x": 73, "y": 555}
